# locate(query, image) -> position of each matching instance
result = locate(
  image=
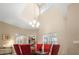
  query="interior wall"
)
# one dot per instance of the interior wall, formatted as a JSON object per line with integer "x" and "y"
{"x": 66, "y": 27}
{"x": 53, "y": 21}
{"x": 73, "y": 29}
{"x": 7, "y": 28}
{"x": 12, "y": 31}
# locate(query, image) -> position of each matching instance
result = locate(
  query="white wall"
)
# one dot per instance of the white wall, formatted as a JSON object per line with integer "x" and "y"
{"x": 12, "y": 31}
{"x": 73, "y": 29}
{"x": 53, "y": 21}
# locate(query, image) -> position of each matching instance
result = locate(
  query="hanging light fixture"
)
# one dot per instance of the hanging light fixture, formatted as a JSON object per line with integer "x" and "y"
{"x": 38, "y": 24}
{"x": 35, "y": 23}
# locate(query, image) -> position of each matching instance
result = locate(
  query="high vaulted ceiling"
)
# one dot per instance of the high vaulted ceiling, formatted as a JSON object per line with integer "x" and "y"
{"x": 19, "y": 14}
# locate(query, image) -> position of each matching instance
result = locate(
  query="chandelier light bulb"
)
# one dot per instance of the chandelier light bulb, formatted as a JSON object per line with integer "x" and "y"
{"x": 30, "y": 23}
{"x": 38, "y": 24}
{"x": 34, "y": 21}
{"x": 33, "y": 25}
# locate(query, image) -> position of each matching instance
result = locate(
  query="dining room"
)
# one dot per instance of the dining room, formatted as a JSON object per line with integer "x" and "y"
{"x": 39, "y": 28}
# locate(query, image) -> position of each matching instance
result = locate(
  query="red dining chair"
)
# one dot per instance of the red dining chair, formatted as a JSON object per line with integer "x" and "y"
{"x": 47, "y": 47}
{"x": 38, "y": 47}
{"x": 55, "y": 49}
{"x": 17, "y": 49}
{"x": 26, "y": 49}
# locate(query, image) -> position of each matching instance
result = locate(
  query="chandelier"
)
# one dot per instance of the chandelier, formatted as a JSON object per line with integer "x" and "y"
{"x": 35, "y": 23}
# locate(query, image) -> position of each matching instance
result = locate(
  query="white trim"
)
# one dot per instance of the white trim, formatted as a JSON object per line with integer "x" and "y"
{"x": 20, "y": 49}
{"x": 51, "y": 49}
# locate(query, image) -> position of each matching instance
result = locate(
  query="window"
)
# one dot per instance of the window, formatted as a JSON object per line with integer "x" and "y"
{"x": 21, "y": 39}
{"x": 50, "y": 38}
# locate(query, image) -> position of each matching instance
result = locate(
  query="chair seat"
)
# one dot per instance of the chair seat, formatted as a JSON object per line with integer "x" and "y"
{"x": 38, "y": 47}
{"x": 47, "y": 47}
{"x": 17, "y": 49}
{"x": 55, "y": 49}
{"x": 26, "y": 49}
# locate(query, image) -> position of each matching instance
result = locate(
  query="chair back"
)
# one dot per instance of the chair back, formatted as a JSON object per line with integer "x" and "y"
{"x": 47, "y": 47}
{"x": 55, "y": 49}
{"x": 26, "y": 49}
{"x": 17, "y": 49}
{"x": 38, "y": 47}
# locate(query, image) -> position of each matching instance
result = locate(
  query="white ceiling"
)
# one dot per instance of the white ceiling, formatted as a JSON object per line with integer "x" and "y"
{"x": 19, "y": 14}
{"x": 12, "y": 13}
